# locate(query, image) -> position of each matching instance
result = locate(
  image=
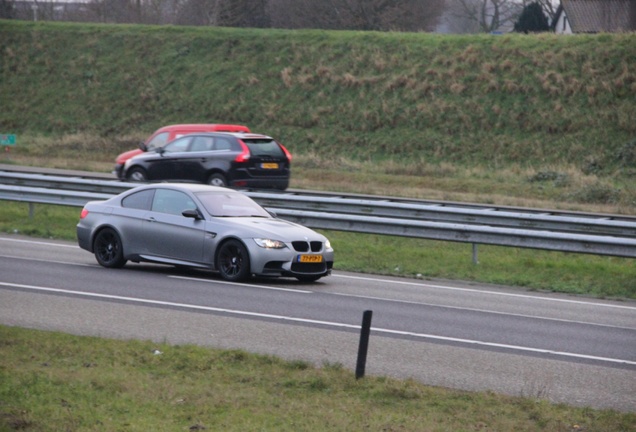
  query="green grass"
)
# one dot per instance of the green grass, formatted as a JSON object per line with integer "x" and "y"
{"x": 477, "y": 103}
{"x": 52, "y": 382}
{"x": 579, "y": 274}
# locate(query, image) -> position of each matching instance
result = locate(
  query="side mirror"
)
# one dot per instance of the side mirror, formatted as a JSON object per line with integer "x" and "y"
{"x": 142, "y": 146}
{"x": 192, "y": 213}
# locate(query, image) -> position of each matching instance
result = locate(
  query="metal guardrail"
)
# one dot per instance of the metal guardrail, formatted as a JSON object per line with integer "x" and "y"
{"x": 577, "y": 232}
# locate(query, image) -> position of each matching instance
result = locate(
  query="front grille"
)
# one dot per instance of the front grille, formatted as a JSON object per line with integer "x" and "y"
{"x": 300, "y": 246}
{"x": 303, "y": 246}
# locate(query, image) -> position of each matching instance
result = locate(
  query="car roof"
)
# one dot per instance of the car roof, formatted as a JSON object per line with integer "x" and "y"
{"x": 205, "y": 127}
{"x": 191, "y": 187}
{"x": 240, "y": 135}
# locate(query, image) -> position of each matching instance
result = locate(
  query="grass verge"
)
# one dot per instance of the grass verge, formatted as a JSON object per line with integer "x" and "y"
{"x": 54, "y": 381}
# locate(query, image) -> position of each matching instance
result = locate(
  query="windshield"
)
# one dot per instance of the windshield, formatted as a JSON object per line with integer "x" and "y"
{"x": 231, "y": 204}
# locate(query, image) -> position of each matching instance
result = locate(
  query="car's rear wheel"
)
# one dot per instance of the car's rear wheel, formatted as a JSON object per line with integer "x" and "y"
{"x": 217, "y": 179}
{"x": 233, "y": 261}
{"x": 109, "y": 250}
{"x": 137, "y": 174}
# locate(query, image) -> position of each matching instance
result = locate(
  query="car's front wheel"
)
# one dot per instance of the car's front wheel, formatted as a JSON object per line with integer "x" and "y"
{"x": 233, "y": 261}
{"x": 137, "y": 174}
{"x": 217, "y": 179}
{"x": 109, "y": 250}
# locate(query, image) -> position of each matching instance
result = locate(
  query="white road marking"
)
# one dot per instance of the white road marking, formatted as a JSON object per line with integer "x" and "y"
{"x": 222, "y": 282}
{"x": 318, "y": 322}
{"x": 41, "y": 243}
{"x": 478, "y": 291}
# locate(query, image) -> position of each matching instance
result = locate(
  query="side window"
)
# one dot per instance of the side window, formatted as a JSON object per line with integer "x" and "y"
{"x": 178, "y": 145}
{"x": 158, "y": 140}
{"x": 140, "y": 200}
{"x": 171, "y": 201}
{"x": 202, "y": 143}
{"x": 223, "y": 144}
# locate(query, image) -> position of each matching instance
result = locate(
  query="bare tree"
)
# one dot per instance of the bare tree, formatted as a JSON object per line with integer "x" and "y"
{"x": 244, "y": 13}
{"x": 404, "y": 15}
{"x": 229, "y": 13}
{"x": 549, "y": 7}
{"x": 7, "y": 9}
{"x": 484, "y": 16}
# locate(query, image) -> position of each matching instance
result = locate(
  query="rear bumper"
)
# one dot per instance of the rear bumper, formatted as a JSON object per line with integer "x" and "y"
{"x": 84, "y": 237}
{"x": 248, "y": 177}
{"x": 260, "y": 183}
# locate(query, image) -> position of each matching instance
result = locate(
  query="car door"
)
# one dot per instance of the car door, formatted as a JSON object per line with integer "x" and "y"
{"x": 165, "y": 163}
{"x": 170, "y": 236}
{"x": 192, "y": 166}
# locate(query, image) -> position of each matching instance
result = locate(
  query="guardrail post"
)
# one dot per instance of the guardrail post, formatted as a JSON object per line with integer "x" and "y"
{"x": 31, "y": 210}
{"x": 475, "y": 259}
{"x": 363, "y": 347}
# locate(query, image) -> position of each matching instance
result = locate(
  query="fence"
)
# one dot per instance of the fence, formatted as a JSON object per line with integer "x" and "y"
{"x": 504, "y": 226}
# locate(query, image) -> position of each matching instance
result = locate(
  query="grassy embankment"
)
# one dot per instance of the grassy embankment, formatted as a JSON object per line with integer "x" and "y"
{"x": 538, "y": 121}
{"x": 56, "y": 382}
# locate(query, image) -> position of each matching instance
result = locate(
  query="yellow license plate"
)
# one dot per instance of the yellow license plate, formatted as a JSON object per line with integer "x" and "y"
{"x": 310, "y": 258}
{"x": 270, "y": 165}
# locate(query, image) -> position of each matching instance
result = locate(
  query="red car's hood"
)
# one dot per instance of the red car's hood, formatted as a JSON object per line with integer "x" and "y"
{"x": 127, "y": 155}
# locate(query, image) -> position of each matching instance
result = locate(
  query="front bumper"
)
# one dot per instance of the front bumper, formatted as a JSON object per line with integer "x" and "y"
{"x": 118, "y": 171}
{"x": 285, "y": 262}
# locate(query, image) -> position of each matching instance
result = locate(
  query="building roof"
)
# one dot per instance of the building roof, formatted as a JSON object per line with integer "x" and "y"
{"x": 594, "y": 16}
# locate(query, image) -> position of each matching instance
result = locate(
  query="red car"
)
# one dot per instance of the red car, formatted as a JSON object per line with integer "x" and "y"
{"x": 164, "y": 135}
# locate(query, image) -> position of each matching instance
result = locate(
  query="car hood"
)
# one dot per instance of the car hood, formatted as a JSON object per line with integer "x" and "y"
{"x": 127, "y": 155}
{"x": 277, "y": 229}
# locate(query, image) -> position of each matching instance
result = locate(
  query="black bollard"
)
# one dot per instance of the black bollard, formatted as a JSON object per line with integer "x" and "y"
{"x": 365, "y": 330}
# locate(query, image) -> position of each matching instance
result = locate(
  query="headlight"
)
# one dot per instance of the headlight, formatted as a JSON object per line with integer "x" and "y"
{"x": 269, "y": 243}
{"x": 327, "y": 244}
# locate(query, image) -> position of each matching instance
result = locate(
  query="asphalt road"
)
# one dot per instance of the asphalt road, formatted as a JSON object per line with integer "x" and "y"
{"x": 567, "y": 349}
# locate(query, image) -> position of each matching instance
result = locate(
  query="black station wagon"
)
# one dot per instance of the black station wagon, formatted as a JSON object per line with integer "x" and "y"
{"x": 242, "y": 160}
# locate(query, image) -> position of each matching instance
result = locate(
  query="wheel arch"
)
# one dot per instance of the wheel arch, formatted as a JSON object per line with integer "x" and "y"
{"x": 101, "y": 228}
{"x": 222, "y": 242}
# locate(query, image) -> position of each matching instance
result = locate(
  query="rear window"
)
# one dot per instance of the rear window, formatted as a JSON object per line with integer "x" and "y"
{"x": 264, "y": 147}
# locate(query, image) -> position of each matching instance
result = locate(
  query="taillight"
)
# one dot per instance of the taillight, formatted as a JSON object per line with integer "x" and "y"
{"x": 244, "y": 155}
{"x": 84, "y": 213}
{"x": 287, "y": 153}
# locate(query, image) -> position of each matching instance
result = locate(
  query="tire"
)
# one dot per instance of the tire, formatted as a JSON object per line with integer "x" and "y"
{"x": 109, "y": 250}
{"x": 308, "y": 278}
{"x": 136, "y": 174}
{"x": 217, "y": 179}
{"x": 233, "y": 261}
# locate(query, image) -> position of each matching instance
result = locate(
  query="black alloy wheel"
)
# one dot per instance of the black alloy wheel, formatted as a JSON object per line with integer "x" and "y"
{"x": 109, "y": 250}
{"x": 233, "y": 261}
{"x": 137, "y": 174}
